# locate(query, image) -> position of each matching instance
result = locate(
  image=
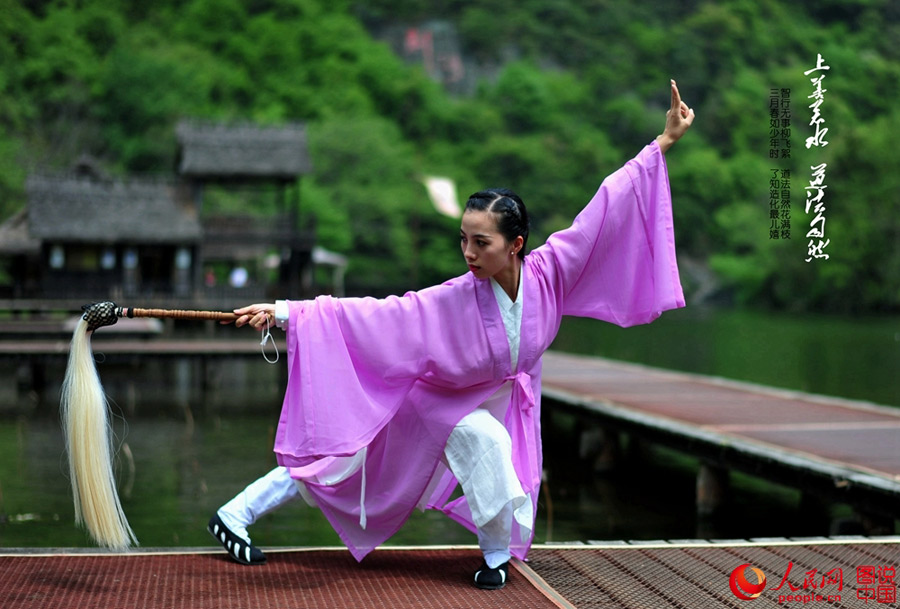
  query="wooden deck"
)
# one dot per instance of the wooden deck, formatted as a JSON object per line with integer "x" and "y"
{"x": 844, "y": 450}
{"x": 834, "y": 573}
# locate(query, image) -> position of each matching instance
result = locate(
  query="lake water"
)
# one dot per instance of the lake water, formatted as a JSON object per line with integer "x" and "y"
{"x": 190, "y": 448}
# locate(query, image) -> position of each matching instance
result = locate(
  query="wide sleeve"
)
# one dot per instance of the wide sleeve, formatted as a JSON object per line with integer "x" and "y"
{"x": 352, "y": 362}
{"x": 617, "y": 260}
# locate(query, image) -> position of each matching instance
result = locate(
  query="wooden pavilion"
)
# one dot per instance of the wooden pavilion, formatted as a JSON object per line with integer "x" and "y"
{"x": 231, "y": 208}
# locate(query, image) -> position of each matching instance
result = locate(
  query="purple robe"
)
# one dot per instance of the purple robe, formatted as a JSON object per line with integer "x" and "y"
{"x": 396, "y": 375}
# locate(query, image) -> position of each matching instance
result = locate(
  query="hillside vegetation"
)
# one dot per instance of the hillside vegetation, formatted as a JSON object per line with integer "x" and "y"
{"x": 576, "y": 88}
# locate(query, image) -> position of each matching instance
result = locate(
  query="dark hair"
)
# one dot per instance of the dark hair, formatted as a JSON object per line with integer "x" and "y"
{"x": 512, "y": 218}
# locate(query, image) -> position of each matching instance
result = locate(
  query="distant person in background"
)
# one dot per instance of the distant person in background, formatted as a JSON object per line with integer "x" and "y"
{"x": 393, "y": 403}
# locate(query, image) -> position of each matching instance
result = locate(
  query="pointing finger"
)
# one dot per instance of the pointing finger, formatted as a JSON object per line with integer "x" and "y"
{"x": 676, "y": 96}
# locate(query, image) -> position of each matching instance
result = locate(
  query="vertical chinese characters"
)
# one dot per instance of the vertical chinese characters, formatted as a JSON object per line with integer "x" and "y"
{"x": 818, "y": 97}
{"x": 815, "y": 191}
{"x": 780, "y": 148}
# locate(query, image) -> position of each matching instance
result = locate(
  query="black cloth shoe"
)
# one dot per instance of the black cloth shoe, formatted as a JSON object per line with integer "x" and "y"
{"x": 491, "y": 579}
{"x": 238, "y": 549}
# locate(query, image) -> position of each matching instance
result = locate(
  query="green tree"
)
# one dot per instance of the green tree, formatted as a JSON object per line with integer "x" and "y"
{"x": 569, "y": 90}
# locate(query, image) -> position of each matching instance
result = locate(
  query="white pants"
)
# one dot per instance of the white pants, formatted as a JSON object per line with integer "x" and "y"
{"x": 478, "y": 452}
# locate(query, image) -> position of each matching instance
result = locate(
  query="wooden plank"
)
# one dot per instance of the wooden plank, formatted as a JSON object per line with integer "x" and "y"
{"x": 846, "y": 449}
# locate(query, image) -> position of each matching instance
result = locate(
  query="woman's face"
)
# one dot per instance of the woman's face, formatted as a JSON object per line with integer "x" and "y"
{"x": 487, "y": 252}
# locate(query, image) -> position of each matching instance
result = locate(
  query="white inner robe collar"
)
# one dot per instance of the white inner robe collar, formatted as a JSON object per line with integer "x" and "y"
{"x": 511, "y": 314}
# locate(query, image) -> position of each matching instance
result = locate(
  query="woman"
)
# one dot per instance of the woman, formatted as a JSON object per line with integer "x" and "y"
{"x": 391, "y": 403}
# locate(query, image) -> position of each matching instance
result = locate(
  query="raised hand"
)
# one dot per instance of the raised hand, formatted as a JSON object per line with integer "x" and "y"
{"x": 678, "y": 120}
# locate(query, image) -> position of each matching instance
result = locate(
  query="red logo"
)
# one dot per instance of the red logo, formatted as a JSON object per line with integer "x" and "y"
{"x": 742, "y": 588}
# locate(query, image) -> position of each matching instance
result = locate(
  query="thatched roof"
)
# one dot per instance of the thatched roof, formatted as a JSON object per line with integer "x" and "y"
{"x": 209, "y": 150}
{"x": 68, "y": 208}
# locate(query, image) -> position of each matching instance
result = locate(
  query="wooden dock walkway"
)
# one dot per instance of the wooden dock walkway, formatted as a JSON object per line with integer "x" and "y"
{"x": 834, "y": 573}
{"x": 842, "y": 450}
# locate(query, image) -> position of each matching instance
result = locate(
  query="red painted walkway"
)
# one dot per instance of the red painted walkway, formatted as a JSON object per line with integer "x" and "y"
{"x": 315, "y": 578}
{"x": 826, "y": 573}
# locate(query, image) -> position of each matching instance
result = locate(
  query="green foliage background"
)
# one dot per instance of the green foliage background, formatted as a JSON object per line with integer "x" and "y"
{"x": 578, "y": 87}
